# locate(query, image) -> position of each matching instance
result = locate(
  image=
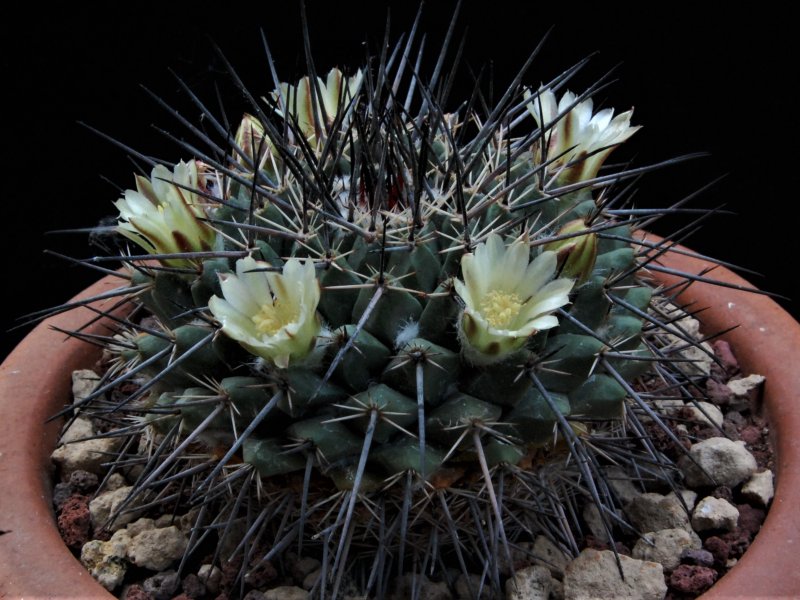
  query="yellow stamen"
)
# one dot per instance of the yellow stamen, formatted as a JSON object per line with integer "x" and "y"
{"x": 272, "y": 317}
{"x": 500, "y": 308}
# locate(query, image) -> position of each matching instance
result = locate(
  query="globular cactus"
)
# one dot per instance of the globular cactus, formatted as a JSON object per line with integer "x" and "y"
{"x": 390, "y": 336}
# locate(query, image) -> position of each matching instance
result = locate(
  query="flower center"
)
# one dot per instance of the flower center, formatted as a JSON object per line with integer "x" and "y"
{"x": 273, "y": 316}
{"x": 500, "y": 308}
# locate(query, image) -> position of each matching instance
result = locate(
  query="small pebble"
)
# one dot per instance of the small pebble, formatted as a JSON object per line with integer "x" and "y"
{"x": 692, "y": 556}
{"x": 717, "y": 461}
{"x": 164, "y": 521}
{"x": 84, "y": 382}
{"x": 211, "y": 576}
{"x": 302, "y": 567}
{"x": 162, "y": 585}
{"x": 76, "y": 430}
{"x": 193, "y": 586}
{"x": 115, "y": 481}
{"x": 106, "y": 504}
{"x": 549, "y": 555}
{"x": 139, "y": 525}
{"x": 594, "y": 574}
{"x": 530, "y": 583}
{"x": 261, "y": 575}
{"x": 653, "y": 512}
{"x": 665, "y": 547}
{"x": 105, "y": 562}
{"x": 759, "y": 489}
{"x": 310, "y": 580}
{"x": 286, "y": 592}
{"x": 706, "y": 413}
{"x": 61, "y": 493}
{"x": 157, "y": 549}
{"x": 714, "y": 513}
{"x": 83, "y": 481}
{"x": 746, "y": 387}
{"x": 88, "y": 455}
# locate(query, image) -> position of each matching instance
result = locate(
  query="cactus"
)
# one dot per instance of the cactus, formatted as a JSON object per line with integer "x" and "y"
{"x": 395, "y": 337}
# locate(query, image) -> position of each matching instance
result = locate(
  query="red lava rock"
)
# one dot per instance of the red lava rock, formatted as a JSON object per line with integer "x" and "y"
{"x": 718, "y": 393}
{"x": 719, "y": 548}
{"x": 750, "y": 519}
{"x": 738, "y": 541}
{"x": 74, "y": 522}
{"x": 722, "y": 350}
{"x": 222, "y": 596}
{"x": 692, "y": 579}
{"x": 136, "y": 592}
{"x": 750, "y": 435}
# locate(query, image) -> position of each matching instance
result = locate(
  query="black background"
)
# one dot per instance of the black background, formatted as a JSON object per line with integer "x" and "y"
{"x": 699, "y": 81}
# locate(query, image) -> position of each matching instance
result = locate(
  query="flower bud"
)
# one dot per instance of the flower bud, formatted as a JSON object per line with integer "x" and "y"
{"x": 250, "y": 141}
{"x": 576, "y": 255}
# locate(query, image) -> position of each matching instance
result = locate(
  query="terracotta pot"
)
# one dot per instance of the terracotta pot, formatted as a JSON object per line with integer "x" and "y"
{"x": 35, "y": 383}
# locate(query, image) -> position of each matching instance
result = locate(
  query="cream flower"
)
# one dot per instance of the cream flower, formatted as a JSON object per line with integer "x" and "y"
{"x": 163, "y": 216}
{"x": 507, "y": 298}
{"x": 578, "y": 133}
{"x": 297, "y": 100}
{"x": 272, "y": 315}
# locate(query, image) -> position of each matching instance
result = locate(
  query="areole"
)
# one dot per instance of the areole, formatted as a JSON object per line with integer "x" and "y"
{"x": 35, "y": 383}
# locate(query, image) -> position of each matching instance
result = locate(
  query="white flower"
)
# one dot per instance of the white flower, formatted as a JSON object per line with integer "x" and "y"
{"x": 164, "y": 218}
{"x": 297, "y": 100}
{"x": 578, "y": 133}
{"x": 272, "y": 315}
{"x": 507, "y": 298}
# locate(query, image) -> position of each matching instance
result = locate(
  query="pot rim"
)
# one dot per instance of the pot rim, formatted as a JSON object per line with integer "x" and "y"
{"x": 767, "y": 569}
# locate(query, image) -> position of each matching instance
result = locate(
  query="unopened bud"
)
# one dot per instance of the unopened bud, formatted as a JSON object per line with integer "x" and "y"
{"x": 576, "y": 255}
{"x": 250, "y": 141}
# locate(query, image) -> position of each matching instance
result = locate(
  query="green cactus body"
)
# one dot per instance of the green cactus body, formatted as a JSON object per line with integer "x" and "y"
{"x": 417, "y": 313}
